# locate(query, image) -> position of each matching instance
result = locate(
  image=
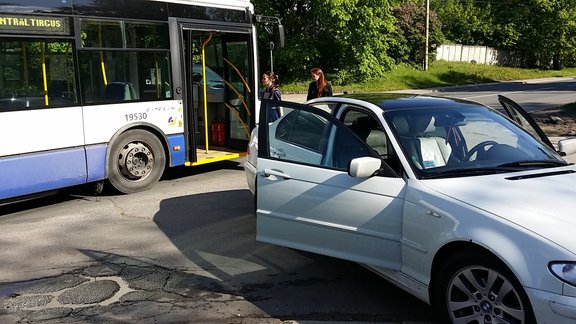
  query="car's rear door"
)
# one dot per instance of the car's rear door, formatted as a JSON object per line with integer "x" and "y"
{"x": 306, "y": 200}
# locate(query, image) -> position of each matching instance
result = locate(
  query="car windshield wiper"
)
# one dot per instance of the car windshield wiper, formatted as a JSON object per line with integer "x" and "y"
{"x": 505, "y": 167}
{"x": 467, "y": 172}
{"x": 535, "y": 164}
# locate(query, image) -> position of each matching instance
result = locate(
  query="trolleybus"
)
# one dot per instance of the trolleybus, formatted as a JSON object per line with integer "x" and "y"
{"x": 118, "y": 90}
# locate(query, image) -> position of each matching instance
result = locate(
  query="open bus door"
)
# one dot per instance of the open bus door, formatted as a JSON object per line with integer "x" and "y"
{"x": 219, "y": 95}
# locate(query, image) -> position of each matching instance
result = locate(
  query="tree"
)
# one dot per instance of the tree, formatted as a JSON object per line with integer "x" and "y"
{"x": 411, "y": 27}
{"x": 348, "y": 39}
{"x": 537, "y": 33}
{"x": 463, "y": 22}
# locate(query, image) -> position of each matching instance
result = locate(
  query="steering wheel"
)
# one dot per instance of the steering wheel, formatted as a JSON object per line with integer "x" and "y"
{"x": 480, "y": 148}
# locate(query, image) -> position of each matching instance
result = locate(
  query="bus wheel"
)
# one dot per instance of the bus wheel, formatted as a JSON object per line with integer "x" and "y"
{"x": 136, "y": 161}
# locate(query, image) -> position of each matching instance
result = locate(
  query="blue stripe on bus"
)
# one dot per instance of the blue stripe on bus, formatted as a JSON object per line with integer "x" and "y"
{"x": 32, "y": 173}
{"x": 96, "y": 162}
{"x": 178, "y": 156}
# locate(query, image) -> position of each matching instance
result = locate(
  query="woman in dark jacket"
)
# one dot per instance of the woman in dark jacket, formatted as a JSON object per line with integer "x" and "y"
{"x": 271, "y": 82}
{"x": 319, "y": 87}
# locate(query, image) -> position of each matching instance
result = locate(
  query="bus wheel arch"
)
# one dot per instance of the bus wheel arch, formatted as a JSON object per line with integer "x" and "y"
{"x": 136, "y": 160}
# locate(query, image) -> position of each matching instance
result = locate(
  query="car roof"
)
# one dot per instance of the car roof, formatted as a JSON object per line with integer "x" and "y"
{"x": 393, "y": 101}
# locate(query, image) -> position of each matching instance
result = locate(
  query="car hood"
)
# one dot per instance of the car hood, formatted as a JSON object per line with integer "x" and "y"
{"x": 541, "y": 201}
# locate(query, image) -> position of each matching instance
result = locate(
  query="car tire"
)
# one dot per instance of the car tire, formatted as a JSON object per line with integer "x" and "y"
{"x": 136, "y": 161}
{"x": 476, "y": 287}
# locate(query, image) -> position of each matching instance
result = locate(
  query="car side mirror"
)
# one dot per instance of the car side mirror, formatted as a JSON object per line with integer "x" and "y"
{"x": 567, "y": 146}
{"x": 364, "y": 167}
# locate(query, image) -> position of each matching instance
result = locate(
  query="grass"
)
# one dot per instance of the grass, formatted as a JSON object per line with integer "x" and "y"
{"x": 439, "y": 74}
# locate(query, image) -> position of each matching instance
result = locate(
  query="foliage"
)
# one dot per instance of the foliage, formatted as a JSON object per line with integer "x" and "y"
{"x": 348, "y": 39}
{"x": 411, "y": 33}
{"x": 538, "y": 33}
{"x": 465, "y": 23}
{"x": 359, "y": 40}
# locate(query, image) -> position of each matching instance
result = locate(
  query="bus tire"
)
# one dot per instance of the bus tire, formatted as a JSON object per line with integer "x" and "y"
{"x": 136, "y": 161}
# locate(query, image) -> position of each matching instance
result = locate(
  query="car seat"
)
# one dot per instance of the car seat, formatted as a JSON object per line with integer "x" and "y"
{"x": 433, "y": 150}
{"x": 377, "y": 140}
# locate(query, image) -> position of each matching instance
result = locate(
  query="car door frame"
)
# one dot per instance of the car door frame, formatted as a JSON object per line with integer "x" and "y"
{"x": 510, "y": 105}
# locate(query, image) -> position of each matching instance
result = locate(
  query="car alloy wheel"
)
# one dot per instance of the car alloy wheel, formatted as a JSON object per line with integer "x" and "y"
{"x": 475, "y": 287}
{"x": 482, "y": 295}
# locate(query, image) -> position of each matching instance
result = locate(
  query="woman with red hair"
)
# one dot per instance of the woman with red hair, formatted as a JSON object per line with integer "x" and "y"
{"x": 319, "y": 87}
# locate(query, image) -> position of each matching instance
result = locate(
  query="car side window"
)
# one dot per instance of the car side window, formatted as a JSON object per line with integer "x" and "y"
{"x": 311, "y": 136}
{"x": 369, "y": 130}
{"x": 302, "y": 128}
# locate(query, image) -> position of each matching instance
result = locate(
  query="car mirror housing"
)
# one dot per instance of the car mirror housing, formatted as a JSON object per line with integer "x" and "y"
{"x": 364, "y": 167}
{"x": 567, "y": 146}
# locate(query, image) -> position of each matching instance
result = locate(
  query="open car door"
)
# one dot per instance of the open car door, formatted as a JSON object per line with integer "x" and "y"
{"x": 306, "y": 198}
{"x": 519, "y": 115}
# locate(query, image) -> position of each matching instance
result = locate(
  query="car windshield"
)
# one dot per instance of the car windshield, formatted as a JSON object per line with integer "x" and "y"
{"x": 465, "y": 141}
{"x": 213, "y": 79}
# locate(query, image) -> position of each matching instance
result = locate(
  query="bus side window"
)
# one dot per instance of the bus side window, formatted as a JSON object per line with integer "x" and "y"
{"x": 119, "y": 91}
{"x": 36, "y": 74}
{"x": 124, "y": 76}
{"x": 61, "y": 93}
{"x": 138, "y": 69}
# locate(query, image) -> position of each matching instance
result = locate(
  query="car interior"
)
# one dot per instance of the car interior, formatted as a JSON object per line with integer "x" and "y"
{"x": 368, "y": 129}
{"x": 434, "y": 151}
{"x": 424, "y": 140}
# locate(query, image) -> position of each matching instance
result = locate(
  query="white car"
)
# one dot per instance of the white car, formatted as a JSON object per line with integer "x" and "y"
{"x": 465, "y": 208}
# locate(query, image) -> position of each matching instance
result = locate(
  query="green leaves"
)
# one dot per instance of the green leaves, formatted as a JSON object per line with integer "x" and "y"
{"x": 538, "y": 33}
{"x": 357, "y": 40}
{"x": 348, "y": 39}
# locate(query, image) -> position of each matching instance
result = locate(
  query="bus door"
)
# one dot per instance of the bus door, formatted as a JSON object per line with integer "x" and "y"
{"x": 220, "y": 98}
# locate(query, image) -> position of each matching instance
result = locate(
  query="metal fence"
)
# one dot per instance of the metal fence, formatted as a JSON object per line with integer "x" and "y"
{"x": 467, "y": 53}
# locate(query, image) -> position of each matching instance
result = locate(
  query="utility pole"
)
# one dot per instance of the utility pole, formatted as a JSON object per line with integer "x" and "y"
{"x": 427, "y": 35}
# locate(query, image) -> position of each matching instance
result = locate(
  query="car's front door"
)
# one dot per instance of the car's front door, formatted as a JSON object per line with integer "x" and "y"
{"x": 519, "y": 115}
{"x": 307, "y": 200}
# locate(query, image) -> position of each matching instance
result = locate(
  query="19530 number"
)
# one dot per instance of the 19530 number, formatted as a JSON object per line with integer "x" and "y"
{"x": 136, "y": 116}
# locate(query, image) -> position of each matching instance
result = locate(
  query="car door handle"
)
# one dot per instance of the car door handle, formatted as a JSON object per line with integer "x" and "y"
{"x": 270, "y": 172}
{"x": 433, "y": 214}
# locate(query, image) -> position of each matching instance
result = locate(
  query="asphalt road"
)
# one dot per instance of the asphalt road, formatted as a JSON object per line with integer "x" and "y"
{"x": 185, "y": 251}
{"x": 533, "y": 95}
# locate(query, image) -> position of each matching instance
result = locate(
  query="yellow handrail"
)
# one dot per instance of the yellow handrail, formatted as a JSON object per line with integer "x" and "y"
{"x": 239, "y": 74}
{"x": 239, "y": 118}
{"x": 204, "y": 86}
{"x": 102, "y": 65}
{"x": 239, "y": 97}
{"x": 44, "y": 77}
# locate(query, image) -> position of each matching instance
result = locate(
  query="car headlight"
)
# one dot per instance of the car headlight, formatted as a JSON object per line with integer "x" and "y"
{"x": 565, "y": 271}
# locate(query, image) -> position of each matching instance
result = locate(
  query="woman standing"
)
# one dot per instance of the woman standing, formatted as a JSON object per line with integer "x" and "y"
{"x": 270, "y": 81}
{"x": 319, "y": 87}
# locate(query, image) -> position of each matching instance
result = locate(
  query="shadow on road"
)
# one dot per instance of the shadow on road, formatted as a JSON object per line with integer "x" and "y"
{"x": 216, "y": 231}
{"x": 39, "y": 201}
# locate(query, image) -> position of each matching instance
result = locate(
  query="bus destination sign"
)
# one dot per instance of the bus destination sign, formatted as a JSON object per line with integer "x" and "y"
{"x": 44, "y": 25}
